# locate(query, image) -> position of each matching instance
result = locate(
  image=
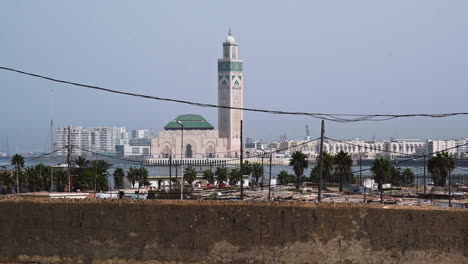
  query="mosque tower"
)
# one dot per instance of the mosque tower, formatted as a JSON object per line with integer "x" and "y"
{"x": 230, "y": 93}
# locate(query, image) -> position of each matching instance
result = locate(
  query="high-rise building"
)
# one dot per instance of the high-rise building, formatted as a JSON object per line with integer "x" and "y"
{"x": 85, "y": 141}
{"x": 230, "y": 94}
{"x": 104, "y": 139}
{"x": 80, "y": 141}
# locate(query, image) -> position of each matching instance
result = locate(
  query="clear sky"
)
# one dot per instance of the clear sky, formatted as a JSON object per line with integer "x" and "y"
{"x": 370, "y": 56}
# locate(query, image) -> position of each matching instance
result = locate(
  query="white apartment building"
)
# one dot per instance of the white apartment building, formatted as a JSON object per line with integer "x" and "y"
{"x": 462, "y": 148}
{"x": 84, "y": 140}
{"x": 449, "y": 146}
{"x": 366, "y": 149}
{"x": 104, "y": 139}
{"x": 80, "y": 140}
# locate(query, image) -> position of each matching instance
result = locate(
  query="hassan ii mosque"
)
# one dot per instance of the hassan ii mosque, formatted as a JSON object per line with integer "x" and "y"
{"x": 200, "y": 139}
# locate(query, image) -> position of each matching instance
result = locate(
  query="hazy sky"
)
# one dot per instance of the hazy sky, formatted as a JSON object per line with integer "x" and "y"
{"x": 314, "y": 56}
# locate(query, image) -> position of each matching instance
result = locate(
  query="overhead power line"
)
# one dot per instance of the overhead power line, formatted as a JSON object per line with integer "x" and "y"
{"x": 43, "y": 155}
{"x": 396, "y": 162}
{"x": 324, "y": 116}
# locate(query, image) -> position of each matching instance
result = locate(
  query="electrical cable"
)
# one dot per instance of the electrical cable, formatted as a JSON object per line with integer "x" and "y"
{"x": 109, "y": 156}
{"x": 43, "y": 155}
{"x": 324, "y": 116}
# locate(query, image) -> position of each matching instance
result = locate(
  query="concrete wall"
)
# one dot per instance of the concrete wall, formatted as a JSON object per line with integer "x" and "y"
{"x": 228, "y": 232}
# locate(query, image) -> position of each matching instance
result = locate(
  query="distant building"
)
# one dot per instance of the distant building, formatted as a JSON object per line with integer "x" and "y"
{"x": 84, "y": 141}
{"x": 200, "y": 139}
{"x": 80, "y": 141}
{"x": 138, "y": 145}
{"x": 404, "y": 148}
{"x": 356, "y": 148}
{"x": 140, "y": 133}
{"x": 449, "y": 146}
{"x": 462, "y": 148}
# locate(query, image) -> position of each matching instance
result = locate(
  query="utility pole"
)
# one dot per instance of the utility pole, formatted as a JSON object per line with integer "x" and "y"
{"x": 95, "y": 174}
{"x": 52, "y": 140}
{"x": 241, "y": 161}
{"x": 263, "y": 174}
{"x": 139, "y": 179}
{"x": 51, "y": 156}
{"x": 17, "y": 178}
{"x": 449, "y": 190}
{"x": 321, "y": 161}
{"x": 181, "y": 161}
{"x": 360, "y": 176}
{"x": 170, "y": 175}
{"x": 269, "y": 179}
{"x": 69, "y": 158}
{"x": 424, "y": 175}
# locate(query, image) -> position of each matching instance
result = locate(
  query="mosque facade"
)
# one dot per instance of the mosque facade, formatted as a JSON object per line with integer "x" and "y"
{"x": 200, "y": 139}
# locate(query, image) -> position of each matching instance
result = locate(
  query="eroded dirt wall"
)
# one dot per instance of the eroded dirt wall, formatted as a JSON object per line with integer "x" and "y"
{"x": 228, "y": 232}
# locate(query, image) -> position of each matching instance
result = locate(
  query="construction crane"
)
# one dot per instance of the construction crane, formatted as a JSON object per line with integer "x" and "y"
{"x": 307, "y": 133}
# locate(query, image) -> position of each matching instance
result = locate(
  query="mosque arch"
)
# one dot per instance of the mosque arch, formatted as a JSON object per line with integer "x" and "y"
{"x": 166, "y": 150}
{"x": 210, "y": 150}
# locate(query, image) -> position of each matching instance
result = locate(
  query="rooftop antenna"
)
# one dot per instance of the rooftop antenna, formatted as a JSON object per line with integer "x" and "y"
{"x": 229, "y": 30}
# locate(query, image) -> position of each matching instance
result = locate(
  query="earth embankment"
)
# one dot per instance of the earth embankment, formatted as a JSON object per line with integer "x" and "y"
{"x": 87, "y": 231}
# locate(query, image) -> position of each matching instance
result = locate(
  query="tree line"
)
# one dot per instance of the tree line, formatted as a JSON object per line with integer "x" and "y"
{"x": 337, "y": 170}
{"x": 86, "y": 175}
{"x": 93, "y": 174}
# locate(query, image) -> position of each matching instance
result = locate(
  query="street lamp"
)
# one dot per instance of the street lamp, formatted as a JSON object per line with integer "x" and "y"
{"x": 181, "y": 160}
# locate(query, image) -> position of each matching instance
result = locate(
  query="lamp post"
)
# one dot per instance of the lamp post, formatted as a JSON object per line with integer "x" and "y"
{"x": 181, "y": 161}
{"x": 263, "y": 173}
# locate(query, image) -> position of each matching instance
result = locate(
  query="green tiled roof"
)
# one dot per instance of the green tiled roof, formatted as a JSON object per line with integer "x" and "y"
{"x": 189, "y": 122}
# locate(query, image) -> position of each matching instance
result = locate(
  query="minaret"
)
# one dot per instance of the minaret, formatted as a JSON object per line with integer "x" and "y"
{"x": 230, "y": 93}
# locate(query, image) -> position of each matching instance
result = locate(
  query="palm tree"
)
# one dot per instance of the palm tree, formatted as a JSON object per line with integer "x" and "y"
{"x": 119, "y": 175}
{"x": 234, "y": 176}
{"x": 221, "y": 174}
{"x": 440, "y": 166}
{"x": 208, "y": 175}
{"x": 343, "y": 163}
{"x": 132, "y": 175}
{"x": 382, "y": 170}
{"x": 37, "y": 177}
{"x": 328, "y": 167}
{"x": 60, "y": 180}
{"x": 247, "y": 168}
{"x": 190, "y": 174}
{"x": 396, "y": 177}
{"x": 299, "y": 162}
{"x": 284, "y": 177}
{"x": 7, "y": 180}
{"x": 18, "y": 162}
{"x": 142, "y": 174}
{"x": 81, "y": 163}
{"x": 407, "y": 177}
{"x": 257, "y": 171}
{"x": 98, "y": 168}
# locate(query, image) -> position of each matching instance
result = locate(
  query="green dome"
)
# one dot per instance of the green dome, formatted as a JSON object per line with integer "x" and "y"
{"x": 190, "y": 122}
